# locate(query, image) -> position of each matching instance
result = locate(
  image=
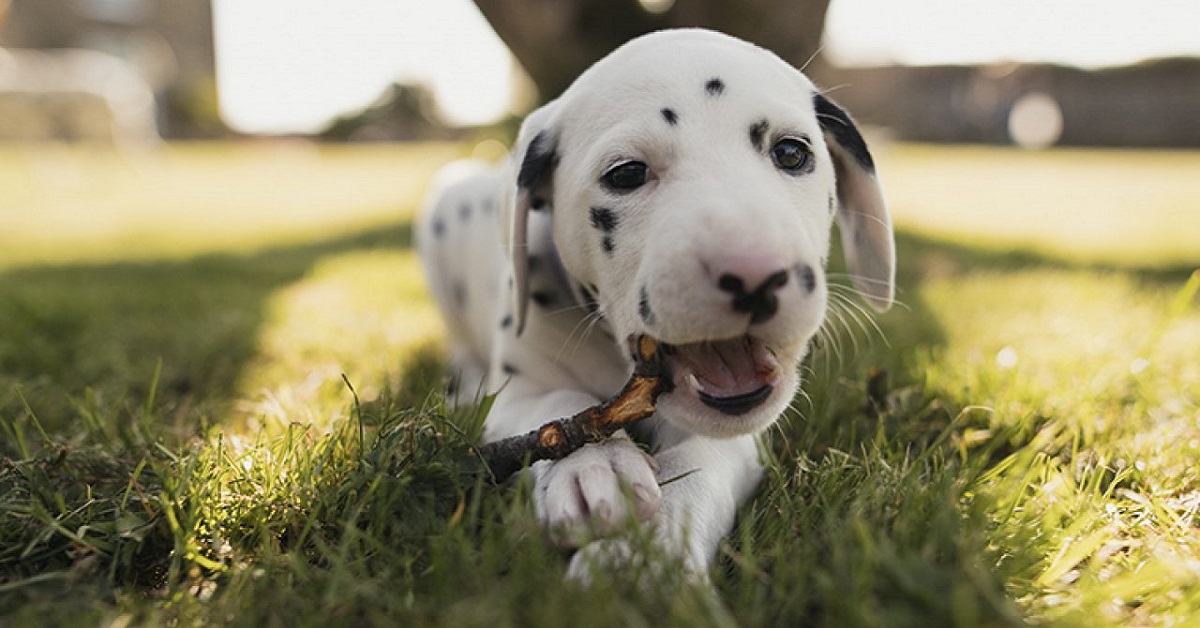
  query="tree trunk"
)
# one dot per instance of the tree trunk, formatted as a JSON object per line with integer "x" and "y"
{"x": 555, "y": 40}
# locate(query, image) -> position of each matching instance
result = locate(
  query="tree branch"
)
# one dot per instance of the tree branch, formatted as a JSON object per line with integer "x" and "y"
{"x": 557, "y": 439}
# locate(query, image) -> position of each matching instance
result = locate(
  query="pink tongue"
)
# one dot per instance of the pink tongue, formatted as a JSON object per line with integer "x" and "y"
{"x": 730, "y": 367}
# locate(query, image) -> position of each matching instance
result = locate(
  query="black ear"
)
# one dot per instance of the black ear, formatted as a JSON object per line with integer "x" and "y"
{"x": 536, "y": 146}
{"x": 862, "y": 216}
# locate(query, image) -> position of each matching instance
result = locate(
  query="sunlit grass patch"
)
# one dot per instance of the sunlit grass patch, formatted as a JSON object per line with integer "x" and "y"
{"x": 360, "y": 314}
{"x": 1126, "y": 206}
{"x": 64, "y": 204}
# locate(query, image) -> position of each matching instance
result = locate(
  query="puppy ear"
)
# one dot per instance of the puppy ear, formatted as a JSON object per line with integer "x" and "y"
{"x": 862, "y": 216}
{"x": 532, "y": 189}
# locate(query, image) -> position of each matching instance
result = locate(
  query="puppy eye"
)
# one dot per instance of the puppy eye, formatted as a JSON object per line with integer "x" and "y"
{"x": 791, "y": 154}
{"x": 626, "y": 176}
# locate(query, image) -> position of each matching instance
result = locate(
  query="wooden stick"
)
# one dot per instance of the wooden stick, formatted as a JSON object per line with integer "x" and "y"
{"x": 557, "y": 439}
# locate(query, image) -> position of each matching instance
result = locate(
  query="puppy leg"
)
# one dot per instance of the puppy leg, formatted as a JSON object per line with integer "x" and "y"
{"x": 706, "y": 480}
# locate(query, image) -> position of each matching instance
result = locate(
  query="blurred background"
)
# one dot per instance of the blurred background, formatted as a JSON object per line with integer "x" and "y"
{"x": 1071, "y": 72}
{"x": 224, "y": 188}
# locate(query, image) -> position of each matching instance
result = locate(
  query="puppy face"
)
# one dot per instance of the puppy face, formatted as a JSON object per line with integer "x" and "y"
{"x": 692, "y": 190}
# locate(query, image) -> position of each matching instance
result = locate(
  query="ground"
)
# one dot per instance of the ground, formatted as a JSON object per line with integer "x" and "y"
{"x": 218, "y": 404}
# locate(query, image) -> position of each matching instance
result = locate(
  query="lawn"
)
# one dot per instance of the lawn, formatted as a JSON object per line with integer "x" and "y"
{"x": 218, "y": 404}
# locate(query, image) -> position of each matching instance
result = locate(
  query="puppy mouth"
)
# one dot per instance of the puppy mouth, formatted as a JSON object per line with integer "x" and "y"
{"x": 732, "y": 376}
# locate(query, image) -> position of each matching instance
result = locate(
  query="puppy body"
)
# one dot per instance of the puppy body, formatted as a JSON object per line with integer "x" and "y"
{"x": 683, "y": 187}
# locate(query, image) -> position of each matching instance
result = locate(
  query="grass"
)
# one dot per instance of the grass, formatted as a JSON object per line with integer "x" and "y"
{"x": 234, "y": 420}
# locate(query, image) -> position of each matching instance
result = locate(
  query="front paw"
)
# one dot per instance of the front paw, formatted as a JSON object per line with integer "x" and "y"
{"x": 595, "y": 490}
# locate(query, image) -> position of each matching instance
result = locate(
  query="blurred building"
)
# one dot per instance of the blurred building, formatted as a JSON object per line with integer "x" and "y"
{"x": 1152, "y": 104}
{"x": 167, "y": 45}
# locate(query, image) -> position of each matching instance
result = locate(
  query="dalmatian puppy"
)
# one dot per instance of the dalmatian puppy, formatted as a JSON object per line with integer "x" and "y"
{"x": 683, "y": 187}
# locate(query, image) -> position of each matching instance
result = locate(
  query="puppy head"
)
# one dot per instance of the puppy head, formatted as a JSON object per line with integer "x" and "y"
{"x": 693, "y": 179}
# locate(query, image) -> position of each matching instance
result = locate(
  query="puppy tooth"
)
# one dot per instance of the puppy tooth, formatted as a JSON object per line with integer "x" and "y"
{"x": 691, "y": 380}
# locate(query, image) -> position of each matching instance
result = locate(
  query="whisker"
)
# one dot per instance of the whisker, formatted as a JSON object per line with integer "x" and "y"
{"x": 872, "y": 217}
{"x": 813, "y": 57}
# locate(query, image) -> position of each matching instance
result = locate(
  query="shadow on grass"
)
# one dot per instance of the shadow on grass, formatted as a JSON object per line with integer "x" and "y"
{"x": 107, "y": 331}
{"x": 861, "y": 523}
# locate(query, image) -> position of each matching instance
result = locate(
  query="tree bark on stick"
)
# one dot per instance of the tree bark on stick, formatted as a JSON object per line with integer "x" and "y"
{"x": 557, "y": 439}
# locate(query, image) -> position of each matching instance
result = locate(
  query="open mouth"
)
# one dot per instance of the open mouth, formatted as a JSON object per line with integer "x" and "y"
{"x": 731, "y": 376}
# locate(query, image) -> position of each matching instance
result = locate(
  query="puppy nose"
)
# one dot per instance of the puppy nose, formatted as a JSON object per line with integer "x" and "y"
{"x": 753, "y": 286}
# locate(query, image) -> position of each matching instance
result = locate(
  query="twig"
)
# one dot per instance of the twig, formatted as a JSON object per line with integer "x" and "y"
{"x": 559, "y": 438}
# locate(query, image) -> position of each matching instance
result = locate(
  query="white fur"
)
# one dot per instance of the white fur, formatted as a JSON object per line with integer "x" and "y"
{"x": 714, "y": 204}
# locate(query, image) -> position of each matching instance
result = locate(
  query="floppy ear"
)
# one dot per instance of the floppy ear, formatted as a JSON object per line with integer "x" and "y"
{"x": 862, "y": 216}
{"x": 532, "y": 189}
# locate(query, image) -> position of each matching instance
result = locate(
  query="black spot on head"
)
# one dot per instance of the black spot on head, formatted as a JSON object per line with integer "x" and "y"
{"x": 608, "y": 245}
{"x": 807, "y": 277}
{"x": 644, "y": 310}
{"x": 604, "y": 219}
{"x": 758, "y": 132}
{"x": 714, "y": 87}
{"x": 837, "y": 123}
{"x": 542, "y": 298}
{"x": 508, "y": 369}
{"x": 464, "y": 211}
{"x": 439, "y": 227}
{"x": 670, "y": 116}
{"x": 506, "y": 322}
{"x": 539, "y": 161}
{"x": 537, "y": 204}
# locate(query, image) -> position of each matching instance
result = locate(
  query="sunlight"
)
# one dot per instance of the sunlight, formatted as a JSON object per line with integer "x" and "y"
{"x": 1085, "y": 33}
{"x": 362, "y": 314}
{"x": 291, "y": 65}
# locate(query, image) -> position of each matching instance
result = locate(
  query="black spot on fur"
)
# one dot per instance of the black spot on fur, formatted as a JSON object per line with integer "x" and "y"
{"x": 464, "y": 211}
{"x": 807, "y": 277}
{"x": 439, "y": 227}
{"x": 534, "y": 263}
{"x": 608, "y": 245}
{"x": 644, "y": 310}
{"x": 670, "y": 116}
{"x": 506, "y": 322}
{"x": 604, "y": 219}
{"x": 537, "y": 204}
{"x": 542, "y": 298}
{"x": 832, "y": 205}
{"x": 539, "y": 161}
{"x": 758, "y": 132}
{"x": 590, "y": 302}
{"x": 836, "y": 122}
{"x": 508, "y": 369}
{"x": 714, "y": 87}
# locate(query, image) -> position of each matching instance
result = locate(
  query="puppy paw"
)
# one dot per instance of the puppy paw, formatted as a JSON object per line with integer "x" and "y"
{"x": 607, "y": 555}
{"x": 595, "y": 490}
{"x": 643, "y": 562}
